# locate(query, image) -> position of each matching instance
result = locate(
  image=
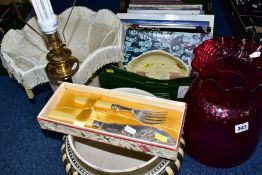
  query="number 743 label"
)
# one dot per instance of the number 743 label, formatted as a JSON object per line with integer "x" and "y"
{"x": 241, "y": 127}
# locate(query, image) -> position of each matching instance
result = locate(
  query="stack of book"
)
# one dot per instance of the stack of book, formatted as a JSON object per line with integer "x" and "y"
{"x": 168, "y": 25}
{"x": 154, "y": 27}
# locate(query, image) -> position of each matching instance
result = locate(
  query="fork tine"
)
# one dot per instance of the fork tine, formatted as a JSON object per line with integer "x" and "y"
{"x": 154, "y": 111}
{"x": 155, "y": 119}
{"x": 155, "y": 114}
{"x": 151, "y": 122}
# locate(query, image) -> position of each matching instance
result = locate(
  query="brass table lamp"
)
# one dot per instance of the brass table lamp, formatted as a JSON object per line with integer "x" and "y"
{"x": 61, "y": 64}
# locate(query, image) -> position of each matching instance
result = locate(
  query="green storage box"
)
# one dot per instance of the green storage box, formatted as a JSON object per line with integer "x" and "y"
{"x": 113, "y": 77}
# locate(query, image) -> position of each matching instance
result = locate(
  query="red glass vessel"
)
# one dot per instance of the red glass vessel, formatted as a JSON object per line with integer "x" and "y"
{"x": 223, "y": 119}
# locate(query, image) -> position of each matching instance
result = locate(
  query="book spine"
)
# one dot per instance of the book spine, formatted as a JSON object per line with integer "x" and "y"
{"x": 156, "y": 2}
{"x": 174, "y": 28}
{"x": 166, "y": 6}
{"x": 178, "y": 12}
{"x": 169, "y": 23}
{"x": 148, "y": 1}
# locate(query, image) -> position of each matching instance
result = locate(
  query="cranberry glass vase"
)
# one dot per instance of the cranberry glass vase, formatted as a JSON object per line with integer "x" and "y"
{"x": 222, "y": 124}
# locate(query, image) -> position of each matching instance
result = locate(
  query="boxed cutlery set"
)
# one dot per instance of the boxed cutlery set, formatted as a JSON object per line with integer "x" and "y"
{"x": 147, "y": 124}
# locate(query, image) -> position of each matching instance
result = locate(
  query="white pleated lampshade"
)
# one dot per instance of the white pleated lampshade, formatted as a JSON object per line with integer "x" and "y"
{"x": 95, "y": 39}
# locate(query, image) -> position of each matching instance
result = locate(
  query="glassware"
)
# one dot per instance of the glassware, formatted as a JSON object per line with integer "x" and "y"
{"x": 223, "y": 119}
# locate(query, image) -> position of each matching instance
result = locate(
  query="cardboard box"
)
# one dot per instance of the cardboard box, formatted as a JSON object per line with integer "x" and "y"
{"x": 87, "y": 112}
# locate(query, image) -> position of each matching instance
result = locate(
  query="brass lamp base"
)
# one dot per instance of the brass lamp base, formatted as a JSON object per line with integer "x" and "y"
{"x": 53, "y": 41}
{"x": 61, "y": 66}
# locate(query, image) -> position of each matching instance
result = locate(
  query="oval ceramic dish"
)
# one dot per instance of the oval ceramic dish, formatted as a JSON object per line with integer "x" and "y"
{"x": 158, "y": 64}
{"x": 148, "y": 165}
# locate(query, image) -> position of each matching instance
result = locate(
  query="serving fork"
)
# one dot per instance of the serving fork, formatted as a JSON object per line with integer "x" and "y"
{"x": 144, "y": 116}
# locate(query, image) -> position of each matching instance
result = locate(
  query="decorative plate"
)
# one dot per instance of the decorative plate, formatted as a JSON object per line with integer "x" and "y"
{"x": 158, "y": 64}
{"x": 178, "y": 43}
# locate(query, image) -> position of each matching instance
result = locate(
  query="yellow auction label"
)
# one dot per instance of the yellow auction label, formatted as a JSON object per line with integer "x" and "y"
{"x": 147, "y": 65}
{"x": 110, "y": 70}
{"x": 160, "y": 137}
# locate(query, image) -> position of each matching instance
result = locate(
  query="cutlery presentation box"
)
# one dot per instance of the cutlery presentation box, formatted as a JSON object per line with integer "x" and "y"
{"x": 87, "y": 112}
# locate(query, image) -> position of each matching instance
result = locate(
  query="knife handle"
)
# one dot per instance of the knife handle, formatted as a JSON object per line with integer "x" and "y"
{"x": 62, "y": 116}
{"x": 103, "y": 104}
{"x": 80, "y": 100}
